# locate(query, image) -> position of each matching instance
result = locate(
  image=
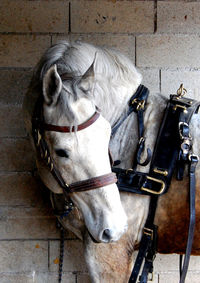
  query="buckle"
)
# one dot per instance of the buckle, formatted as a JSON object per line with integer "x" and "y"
{"x": 161, "y": 182}
{"x": 129, "y": 170}
{"x": 148, "y": 232}
{"x": 152, "y": 277}
{"x": 193, "y": 157}
{"x": 140, "y": 104}
{"x": 142, "y": 140}
{"x": 180, "y": 130}
{"x": 186, "y": 146}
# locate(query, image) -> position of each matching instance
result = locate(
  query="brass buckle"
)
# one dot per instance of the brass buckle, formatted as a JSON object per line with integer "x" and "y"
{"x": 140, "y": 104}
{"x": 157, "y": 181}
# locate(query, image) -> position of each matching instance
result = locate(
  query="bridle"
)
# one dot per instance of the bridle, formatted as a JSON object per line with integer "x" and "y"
{"x": 38, "y": 129}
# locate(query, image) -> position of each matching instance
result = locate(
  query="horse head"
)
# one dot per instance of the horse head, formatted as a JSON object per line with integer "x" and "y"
{"x": 80, "y": 155}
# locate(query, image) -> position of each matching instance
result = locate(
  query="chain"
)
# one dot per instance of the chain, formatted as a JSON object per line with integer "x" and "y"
{"x": 62, "y": 244}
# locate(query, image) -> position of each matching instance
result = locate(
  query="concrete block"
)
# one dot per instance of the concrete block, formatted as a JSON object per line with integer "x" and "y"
{"x": 34, "y": 16}
{"x": 26, "y": 256}
{"x": 23, "y": 222}
{"x": 66, "y": 277}
{"x": 22, "y": 50}
{"x": 11, "y": 121}
{"x": 36, "y": 277}
{"x": 170, "y": 262}
{"x": 112, "y": 16}
{"x": 165, "y": 263}
{"x": 20, "y": 189}
{"x": 14, "y": 84}
{"x": 73, "y": 259}
{"x": 168, "y": 51}
{"x": 83, "y": 278}
{"x": 123, "y": 43}
{"x": 171, "y": 80}
{"x": 178, "y": 17}
{"x": 16, "y": 155}
{"x": 173, "y": 277}
{"x": 150, "y": 79}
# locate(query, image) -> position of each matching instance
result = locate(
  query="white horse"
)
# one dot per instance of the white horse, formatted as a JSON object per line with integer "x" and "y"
{"x": 104, "y": 78}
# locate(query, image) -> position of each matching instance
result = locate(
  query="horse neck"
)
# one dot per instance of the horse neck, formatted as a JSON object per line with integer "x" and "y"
{"x": 114, "y": 103}
{"x": 123, "y": 144}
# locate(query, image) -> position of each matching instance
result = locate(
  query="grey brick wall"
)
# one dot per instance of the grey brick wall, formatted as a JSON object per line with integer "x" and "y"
{"x": 161, "y": 37}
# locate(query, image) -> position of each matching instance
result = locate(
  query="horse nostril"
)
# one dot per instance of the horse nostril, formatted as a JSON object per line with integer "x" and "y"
{"x": 107, "y": 235}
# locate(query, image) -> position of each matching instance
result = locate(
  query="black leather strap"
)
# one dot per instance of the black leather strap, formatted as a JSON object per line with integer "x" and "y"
{"x": 134, "y": 182}
{"x": 136, "y": 103}
{"x": 192, "y": 188}
{"x": 179, "y": 110}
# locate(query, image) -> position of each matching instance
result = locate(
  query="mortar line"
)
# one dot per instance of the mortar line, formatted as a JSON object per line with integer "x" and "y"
{"x": 155, "y": 15}
{"x": 48, "y": 255}
{"x": 36, "y": 239}
{"x": 69, "y": 22}
{"x": 160, "y": 80}
{"x": 135, "y": 52}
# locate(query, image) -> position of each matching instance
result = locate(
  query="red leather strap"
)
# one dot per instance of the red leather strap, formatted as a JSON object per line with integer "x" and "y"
{"x": 93, "y": 183}
{"x": 67, "y": 129}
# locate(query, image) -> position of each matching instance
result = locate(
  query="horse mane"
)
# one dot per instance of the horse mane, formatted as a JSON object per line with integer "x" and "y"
{"x": 111, "y": 69}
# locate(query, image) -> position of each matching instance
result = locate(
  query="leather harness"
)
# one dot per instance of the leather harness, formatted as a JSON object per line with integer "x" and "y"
{"x": 173, "y": 149}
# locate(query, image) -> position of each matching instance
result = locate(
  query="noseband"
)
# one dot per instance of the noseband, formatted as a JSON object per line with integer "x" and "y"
{"x": 38, "y": 129}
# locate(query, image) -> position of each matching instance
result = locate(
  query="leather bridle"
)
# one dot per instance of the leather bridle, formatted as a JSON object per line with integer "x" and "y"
{"x": 38, "y": 129}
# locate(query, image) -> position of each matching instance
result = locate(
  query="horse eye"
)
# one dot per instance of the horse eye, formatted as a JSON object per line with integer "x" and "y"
{"x": 61, "y": 153}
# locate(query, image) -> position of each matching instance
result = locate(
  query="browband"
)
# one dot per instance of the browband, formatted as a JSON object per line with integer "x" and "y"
{"x": 68, "y": 129}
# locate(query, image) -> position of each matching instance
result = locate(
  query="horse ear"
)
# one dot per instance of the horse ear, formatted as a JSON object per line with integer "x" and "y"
{"x": 87, "y": 79}
{"x": 52, "y": 85}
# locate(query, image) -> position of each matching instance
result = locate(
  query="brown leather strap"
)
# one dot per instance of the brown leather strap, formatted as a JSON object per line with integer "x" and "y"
{"x": 93, "y": 183}
{"x": 67, "y": 129}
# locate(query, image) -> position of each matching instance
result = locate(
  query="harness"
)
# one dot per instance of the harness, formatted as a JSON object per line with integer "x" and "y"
{"x": 173, "y": 149}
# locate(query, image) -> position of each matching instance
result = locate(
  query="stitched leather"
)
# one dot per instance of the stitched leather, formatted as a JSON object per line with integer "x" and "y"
{"x": 67, "y": 129}
{"x": 93, "y": 183}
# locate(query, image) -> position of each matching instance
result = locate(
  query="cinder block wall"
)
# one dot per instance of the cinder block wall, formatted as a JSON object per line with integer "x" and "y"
{"x": 161, "y": 37}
